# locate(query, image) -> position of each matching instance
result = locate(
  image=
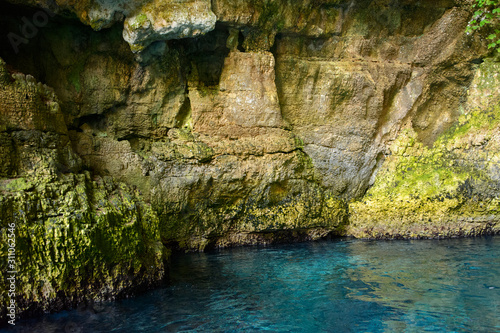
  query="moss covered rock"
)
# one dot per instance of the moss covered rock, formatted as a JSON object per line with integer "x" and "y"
{"x": 162, "y": 20}
{"x": 268, "y": 128}
{"x": 77, "y": 239}
{"x": 449, "y": 189}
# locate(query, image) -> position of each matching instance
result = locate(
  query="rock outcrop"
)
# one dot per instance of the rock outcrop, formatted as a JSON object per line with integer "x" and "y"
{"x": 163, "y": 125}
{"x": 449, "y": 189}
{"x": 77, "y": 236}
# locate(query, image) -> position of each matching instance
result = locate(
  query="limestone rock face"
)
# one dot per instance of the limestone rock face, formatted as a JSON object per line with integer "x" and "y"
{"x": 346, "y": 96}
{"x": 247, "y": 95}
{"x": 197, "y": 124}
{"x": 193, "y": 122}
{"x": 77, "y": 236}
{"x": 33, "y": 132}
{"x": 162, "y": 20}
{"x": 448, "y": 189}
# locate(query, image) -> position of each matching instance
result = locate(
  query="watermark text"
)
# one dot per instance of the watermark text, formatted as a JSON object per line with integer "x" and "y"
{"x": 29, "y": 28}
{"x": 11, "y": 273}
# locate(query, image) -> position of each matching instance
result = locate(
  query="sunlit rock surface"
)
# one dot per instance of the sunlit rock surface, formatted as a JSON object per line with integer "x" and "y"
{"x": 444, "y": 190}
{"x": 162, "y": 20}
{"x": 154, "y": 126}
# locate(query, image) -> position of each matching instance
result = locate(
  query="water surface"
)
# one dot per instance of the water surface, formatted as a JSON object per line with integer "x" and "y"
{"x": 338, "y": 286}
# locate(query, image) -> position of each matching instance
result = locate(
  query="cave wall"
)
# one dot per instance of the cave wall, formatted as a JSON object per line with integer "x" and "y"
{"x": 196, "y": 124}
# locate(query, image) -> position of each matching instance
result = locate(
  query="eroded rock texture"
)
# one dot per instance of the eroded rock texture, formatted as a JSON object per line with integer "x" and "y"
{"x": 160, "y": 125}
{"x": 77, "y": 236}
{"x": 445, "y": 190}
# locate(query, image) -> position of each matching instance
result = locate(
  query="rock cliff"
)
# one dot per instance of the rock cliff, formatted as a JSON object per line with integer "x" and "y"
{"x": 129, "y": 129}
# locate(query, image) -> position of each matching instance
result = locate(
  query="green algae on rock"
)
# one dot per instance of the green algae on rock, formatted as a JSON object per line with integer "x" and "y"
{"x": 78, "y": 239}
{"x": 269, "y": 126}
{"x": 447, "y": 190}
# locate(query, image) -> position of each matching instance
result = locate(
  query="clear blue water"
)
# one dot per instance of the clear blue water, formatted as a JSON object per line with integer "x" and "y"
{"x": 339, "y": 286}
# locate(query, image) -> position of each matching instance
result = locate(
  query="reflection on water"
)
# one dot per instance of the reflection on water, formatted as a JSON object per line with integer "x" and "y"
{"x": 440, "y": 285}
{"x": 340, "y": 286}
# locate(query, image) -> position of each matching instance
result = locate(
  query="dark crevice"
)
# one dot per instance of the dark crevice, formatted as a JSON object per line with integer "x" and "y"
{"x": 477, "y": 61}
{"x": 241, "y": 39}
{"x": 22, "y": 37}
{"x": 95, "y": 121}
{"x": 274, "y": 47}
{"x": 182, "y": 117}
{"x": 277, "y": 82}
{"x": 206, "y": 54}
{"x": 132, "y": 138}
{"x": 271, "y": 237}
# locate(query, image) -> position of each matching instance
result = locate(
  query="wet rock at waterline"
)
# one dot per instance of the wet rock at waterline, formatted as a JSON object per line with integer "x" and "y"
{"x": 130, "y": 129}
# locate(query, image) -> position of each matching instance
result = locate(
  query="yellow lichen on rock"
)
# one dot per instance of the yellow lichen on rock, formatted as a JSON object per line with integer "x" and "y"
{"x": 445, "y": 190}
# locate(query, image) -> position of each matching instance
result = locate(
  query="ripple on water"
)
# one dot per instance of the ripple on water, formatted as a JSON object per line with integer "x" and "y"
{"x": 339, "y": 286}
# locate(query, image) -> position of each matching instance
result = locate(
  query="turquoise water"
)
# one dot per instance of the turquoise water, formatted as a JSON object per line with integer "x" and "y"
{"x": 338, "y": 286}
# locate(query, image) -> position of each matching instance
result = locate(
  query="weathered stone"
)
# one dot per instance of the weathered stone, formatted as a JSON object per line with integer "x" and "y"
{"x": 162, "y": 20}
{"x": 302, "y": 17}
{"x": 77, "y": 238}
{"x": 450, "y": 189}
{"x": 347, "y": 97}
{"x": 342, "y": 117}
{"x": 27, "y": 105}
{"x": 247, "y": 95}
{"x": 33, "y": 131}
